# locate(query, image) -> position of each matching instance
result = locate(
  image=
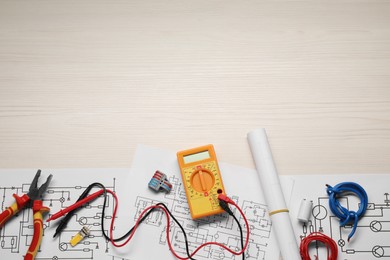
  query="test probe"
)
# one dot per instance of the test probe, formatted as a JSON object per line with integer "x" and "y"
{"x": 205, "y": 194}
{"x": 225, "y": 203}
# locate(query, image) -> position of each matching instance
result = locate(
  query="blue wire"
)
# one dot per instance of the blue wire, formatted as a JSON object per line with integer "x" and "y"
{"x": 342, "y": 213}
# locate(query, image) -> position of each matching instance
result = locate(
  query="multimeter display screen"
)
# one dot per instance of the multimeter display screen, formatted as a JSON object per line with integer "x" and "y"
{"x": 196, "y": 157}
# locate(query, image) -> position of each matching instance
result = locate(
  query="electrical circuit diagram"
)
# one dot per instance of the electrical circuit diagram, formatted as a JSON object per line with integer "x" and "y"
{"x": 372, "y": 237}
{"x": 373, "y": 221}
{"x": 218, "y": 228}
{"x": 241, "y": 185}
{"x": 16, "y": 235}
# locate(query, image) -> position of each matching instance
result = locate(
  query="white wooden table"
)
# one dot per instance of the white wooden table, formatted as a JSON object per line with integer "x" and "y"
{"x": 83, "y": 82}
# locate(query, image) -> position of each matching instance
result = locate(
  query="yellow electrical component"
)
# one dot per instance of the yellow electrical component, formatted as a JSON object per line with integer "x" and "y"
{"x": 202, "y": 180}
{"x": 85, "y": 231}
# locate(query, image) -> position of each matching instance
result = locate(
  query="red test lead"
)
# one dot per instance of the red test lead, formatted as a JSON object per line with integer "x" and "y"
{"x": 223, "y": 200}
{"x": 75, "y": 205}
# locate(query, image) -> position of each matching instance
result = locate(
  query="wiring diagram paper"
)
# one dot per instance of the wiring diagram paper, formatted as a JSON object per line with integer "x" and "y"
{"x": 150, "y": 241}
{"x": 65, "y": 188}
{"x": 372, "y": 237}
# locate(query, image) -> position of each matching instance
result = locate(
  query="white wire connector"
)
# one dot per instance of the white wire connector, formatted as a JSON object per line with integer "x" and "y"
{"x": 305, "y": 210}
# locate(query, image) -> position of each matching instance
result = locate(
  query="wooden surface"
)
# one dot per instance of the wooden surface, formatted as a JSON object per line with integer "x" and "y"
{"x": 83, "y": 82}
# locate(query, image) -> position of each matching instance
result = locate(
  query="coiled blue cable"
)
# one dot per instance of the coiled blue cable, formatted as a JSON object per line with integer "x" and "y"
{"x": 342, "y": 213}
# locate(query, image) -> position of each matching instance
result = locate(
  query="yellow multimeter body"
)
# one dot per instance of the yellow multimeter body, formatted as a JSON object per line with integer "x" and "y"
{"x": 202, "y": 180}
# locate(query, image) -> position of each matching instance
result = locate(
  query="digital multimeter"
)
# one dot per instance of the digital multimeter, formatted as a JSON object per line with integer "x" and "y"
{"x": 202, "y": 180}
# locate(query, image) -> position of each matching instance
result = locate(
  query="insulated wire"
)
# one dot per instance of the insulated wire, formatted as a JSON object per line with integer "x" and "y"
{"x": 241, "y": 235}
{"x": 161, "y": 206}
{"x": 330, "y": 244}
{"x": 342, "y": 213}
{"x": 146, "y": 210}
{"x": 66, "y": 219}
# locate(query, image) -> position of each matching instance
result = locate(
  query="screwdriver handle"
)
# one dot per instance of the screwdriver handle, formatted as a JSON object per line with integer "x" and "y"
{"x": 19, "y": 203}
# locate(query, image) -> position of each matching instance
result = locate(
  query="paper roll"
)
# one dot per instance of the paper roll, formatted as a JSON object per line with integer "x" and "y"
{"x": 281, "y": 222}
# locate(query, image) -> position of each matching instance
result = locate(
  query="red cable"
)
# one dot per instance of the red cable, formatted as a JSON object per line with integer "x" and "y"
{"x": 168, "y": 229}
{"x": 223, "y": 246}
{"x": 317, "y": 236}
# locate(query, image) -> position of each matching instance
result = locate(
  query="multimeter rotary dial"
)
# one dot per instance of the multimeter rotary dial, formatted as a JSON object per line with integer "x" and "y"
{"x": 202, "y": 180}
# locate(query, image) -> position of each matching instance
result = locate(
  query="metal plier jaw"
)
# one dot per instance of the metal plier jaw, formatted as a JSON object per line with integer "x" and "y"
{"x": 33, "y": 199}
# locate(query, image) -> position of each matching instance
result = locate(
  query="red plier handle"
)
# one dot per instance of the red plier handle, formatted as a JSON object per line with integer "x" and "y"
{"x": 38, "y": 210}
{"x": 33, "y": 199}
{"x": 20, "y": 202}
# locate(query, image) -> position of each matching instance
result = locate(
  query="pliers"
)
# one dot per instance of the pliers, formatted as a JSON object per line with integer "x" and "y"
{"x": 33, "y": 199}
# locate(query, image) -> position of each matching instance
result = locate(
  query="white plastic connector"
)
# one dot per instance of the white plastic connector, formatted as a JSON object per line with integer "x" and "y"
{"x": 305, "y": 210}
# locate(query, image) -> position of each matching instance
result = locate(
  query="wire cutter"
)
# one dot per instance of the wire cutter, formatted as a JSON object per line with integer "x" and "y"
{"x": 33, "y": 199}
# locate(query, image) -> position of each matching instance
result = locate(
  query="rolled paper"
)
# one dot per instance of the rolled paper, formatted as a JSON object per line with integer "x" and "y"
{"x": 278, "y": 211}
